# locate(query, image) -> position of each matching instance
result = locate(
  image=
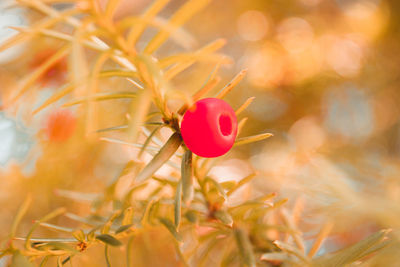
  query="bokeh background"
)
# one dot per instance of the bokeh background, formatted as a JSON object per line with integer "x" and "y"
{"x": 325, "y": 74}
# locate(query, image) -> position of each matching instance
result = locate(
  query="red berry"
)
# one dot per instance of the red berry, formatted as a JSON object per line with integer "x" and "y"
{"x": 60, "y": 125}
{"x": 56, "y": 74}
{"x": 209, "y": 127}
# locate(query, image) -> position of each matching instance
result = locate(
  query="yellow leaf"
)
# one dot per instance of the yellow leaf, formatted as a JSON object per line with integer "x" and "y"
{"x": 245, "y": 105}
{"x": 179, "y": 67}
{"x": 35, "y": 29}
{"x": 148, "y": 15}
{"x": 180, "y": 17}
{"x": 232, "y": 84}
{"x": 252, "y": 139}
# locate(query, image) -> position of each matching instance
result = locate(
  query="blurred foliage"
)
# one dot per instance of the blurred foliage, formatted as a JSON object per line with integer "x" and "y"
{"x": 95, "y": 169}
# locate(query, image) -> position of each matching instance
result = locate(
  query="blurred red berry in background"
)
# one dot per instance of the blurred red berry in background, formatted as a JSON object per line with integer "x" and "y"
{"x": 61, "y": 125}
{"x": 56, "y": 74}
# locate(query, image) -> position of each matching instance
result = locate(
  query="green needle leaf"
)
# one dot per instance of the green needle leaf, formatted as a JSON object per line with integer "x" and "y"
{"x": 178, "y": 204}
{"x": 48, "y": 240}
{"x": 65, "y": 90}
{"x": 224, "y": 91}
{"x": 21, "y": 212}
{"x": 49, "y": 216}
{"x": 187, "y": 177}
{"x": 166, "y": 152}
{"x": 292, "y": 250}
{"x": 109, "y": 240}
{"x": 102, "y": 97}
{"x": 224, "y": 217}
{"x": 217, "y": 186}
{"x": 242, "y": 182}
{"x": 355, "y": 252}
{"x": 149, "y": 138}
{"x": 171, "y": 228}
{"x": 79, "y": 235}
{"x": 57, "y": 246}
{"x": 123, "y": 228}
{"x": 57, "y": 228}
{"x": 106, "y": 256}
{"x": 245, "y": 248}
{"x": 180, "y": 17}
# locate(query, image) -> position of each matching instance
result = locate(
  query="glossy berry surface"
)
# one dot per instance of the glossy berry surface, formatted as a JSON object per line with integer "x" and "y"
{"x": 209, "y": 127}
{"x": 60, "y": 125}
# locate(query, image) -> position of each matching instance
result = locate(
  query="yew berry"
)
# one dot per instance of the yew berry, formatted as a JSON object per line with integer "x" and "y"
{"x": 209, "y": 127}
{"x": 54, "y": 75}
{"x": 60, "y": 125}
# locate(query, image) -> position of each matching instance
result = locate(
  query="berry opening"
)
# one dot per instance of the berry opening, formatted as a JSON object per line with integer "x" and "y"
{"x": 225, "y": 125}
